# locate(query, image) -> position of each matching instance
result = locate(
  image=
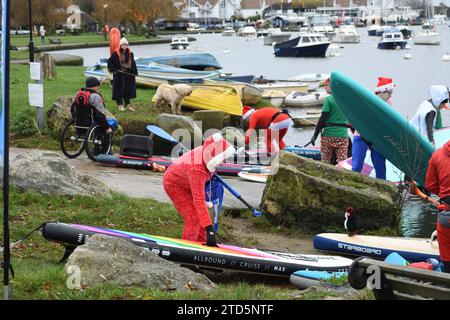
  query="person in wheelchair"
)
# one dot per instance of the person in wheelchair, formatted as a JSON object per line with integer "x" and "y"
{"x": 90, "y": 97}
{"x": 89, "y": 108}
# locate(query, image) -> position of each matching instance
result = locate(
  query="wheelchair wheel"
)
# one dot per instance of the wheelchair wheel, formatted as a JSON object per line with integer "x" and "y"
{"x": 72, "y": 140}
{"x": 98, "y": 142}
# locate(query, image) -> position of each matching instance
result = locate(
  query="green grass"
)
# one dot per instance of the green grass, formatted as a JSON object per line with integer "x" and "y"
{"x": 23, "y": 40}
{"x": 39, "y": 276}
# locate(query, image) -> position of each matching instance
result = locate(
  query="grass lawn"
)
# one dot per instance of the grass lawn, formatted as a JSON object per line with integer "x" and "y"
{"x": 39, "y": 276}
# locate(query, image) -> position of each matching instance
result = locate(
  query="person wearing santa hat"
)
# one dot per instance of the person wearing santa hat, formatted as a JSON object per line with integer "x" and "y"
{"x": 123, "y": 67}
{"x": 384, "y": 89}
{"x": 333, "y": 127}
{"x": 274, "y": 121}
{"x": 428, "y": 116}
{"x": 437, "y": 180}
{"x": 184, "y": 182}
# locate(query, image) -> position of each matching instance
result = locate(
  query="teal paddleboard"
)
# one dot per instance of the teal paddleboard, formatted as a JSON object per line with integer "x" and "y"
{"x": 379, "y": 123}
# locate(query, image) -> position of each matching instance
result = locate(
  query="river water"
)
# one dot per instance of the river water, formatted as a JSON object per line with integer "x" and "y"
{"x": 363, "y": 62}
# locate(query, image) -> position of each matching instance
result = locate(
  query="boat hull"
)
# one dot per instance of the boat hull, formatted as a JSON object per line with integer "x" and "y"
{"x": 392, "y": 45}
{"x": 319, "y": 50}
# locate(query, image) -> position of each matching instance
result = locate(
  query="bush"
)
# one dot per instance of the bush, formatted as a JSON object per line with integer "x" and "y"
{"x": 23, "y": 124}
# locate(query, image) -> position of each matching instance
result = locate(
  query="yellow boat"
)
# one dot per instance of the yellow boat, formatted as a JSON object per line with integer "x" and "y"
{"x": 213, "y": 97}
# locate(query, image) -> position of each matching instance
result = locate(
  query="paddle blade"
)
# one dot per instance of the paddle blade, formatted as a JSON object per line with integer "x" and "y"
{"x": 157, "y": 131}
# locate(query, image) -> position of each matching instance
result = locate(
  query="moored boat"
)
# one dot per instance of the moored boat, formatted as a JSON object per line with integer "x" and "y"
{"x": 346, "y": 34}
{"x": 427, "y": 37}
{"x": 392, "y": 39}
{"x": 306, "y": 45}
{"x": 305, "y": 99}
{"x": 179, "y": 43}
{"x": 213, "y": 97}
{"x": 275, "y": 35}
{"x": 192, "y": 61}
{"x": 286, "y": 87}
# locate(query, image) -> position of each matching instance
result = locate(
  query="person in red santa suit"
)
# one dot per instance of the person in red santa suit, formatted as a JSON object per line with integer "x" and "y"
{"x": 275, "y": 121}
{"x": 438, "y": 181}
{"x": 184, "y": 182}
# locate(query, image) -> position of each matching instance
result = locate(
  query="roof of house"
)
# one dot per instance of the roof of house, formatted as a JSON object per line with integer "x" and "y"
{"x": 251, "y": 4}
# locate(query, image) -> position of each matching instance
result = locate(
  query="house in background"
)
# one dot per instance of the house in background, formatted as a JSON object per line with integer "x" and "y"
{"x": 206, "y": 10}
{"x": 79, "y": 20}
{"x": 251, "y": 8}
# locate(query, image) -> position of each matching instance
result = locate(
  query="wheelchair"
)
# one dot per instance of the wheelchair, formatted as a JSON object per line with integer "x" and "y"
{"x": 83, "y": 133}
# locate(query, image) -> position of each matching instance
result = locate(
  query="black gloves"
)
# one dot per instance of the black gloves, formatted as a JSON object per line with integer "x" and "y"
{"x": 210, "y": 237}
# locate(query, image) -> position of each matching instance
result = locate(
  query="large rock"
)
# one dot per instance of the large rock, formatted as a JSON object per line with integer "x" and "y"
{"x": 105, "y": 259}
{"x": 181, "y": 128}
{"x": 210, "y": 121}
{"x": 59, "y": 114}
{"x": 48, "y": 173}
{"x": 314, "y": 196}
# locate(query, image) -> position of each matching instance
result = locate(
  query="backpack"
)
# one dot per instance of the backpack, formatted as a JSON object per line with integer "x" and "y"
{"x": 80, "y": 108}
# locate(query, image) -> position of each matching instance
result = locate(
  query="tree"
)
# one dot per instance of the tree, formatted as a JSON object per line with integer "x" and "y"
{"x": 85, "y": 5}
{"x": 136, "y": 12}
{"x": 44, "y": 12}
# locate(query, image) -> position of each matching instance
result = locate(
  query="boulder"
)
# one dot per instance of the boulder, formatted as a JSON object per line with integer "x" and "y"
{"x": 59, "y": 114}
{"x": 106, "y": 259}
{"x": 210, "y": 121}
{"x": 233, "y": 135}
{"x": 181, "y": 128}
{"x": 48, "y": 173}
{"x": 314, "y": 196}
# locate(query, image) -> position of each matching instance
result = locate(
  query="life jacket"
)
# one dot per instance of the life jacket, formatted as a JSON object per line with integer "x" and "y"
{"x": 129, "y": 56}
{"x": 419, "y": 121}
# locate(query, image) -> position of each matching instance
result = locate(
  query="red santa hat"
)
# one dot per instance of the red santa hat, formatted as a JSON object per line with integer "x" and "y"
{"x": 215, "y": 150}
{"x": 247, "y": 112}
{"x": 384, "y": 84}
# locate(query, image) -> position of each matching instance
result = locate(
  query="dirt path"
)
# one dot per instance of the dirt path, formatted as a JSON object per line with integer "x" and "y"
{"x": 244, "y": 232}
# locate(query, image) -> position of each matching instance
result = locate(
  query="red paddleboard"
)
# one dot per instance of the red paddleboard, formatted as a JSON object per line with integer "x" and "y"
{"x": 114, "y": 39}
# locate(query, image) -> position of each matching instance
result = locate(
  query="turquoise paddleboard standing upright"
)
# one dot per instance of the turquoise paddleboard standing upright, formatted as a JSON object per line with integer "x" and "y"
{"x": 379, "y": 123}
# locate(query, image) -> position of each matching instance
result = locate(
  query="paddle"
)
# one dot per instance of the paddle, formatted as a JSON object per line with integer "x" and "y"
{"x": 415, "y": 190}
{"x": 157, "y": 131}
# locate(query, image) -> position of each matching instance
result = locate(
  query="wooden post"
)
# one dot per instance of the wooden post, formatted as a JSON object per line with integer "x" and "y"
{"x": 48, "y": 66}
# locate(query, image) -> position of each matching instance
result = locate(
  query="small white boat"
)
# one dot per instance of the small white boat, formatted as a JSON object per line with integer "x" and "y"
{"x": 305, "y": 99}
{"x": 306, "y": 121}
{"x": 275, "y": 97}
{"x": 429, "y": 37}
{"x": 346, "y": 34}
{"x": 275, "y": 35}
{"x": 228, "y": 32}
{"x": 179, "y": 43}
{"x": 249, "y": 32}
{"x": 286, "y": 87}
{"x": 311, "y": 77}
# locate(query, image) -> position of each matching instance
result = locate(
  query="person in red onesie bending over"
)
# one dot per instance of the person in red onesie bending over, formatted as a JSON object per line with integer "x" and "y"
{"x": 275, "y": 121}
{"x": 438, "y": 181}
{"x": 184, "y": 182}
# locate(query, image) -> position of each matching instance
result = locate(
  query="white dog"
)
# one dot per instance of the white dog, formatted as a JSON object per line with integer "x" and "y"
{"x": 172, "y": 95}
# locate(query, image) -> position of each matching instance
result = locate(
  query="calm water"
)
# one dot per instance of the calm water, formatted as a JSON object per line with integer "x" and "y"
{"x": 363, "y": 62}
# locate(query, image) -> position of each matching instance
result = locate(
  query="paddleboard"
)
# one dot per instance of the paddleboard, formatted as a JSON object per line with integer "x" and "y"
{"x": 412, "y": 249}
{"x": 114, "y": 40}
{"x": 194, "y": 253}
{"x": 307, "y": 278}
{"x": 307, "y": 152}
{"x": 225, "y": 169}
{"x": 378, "y": 122}
{"x": 255, "y": 177}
